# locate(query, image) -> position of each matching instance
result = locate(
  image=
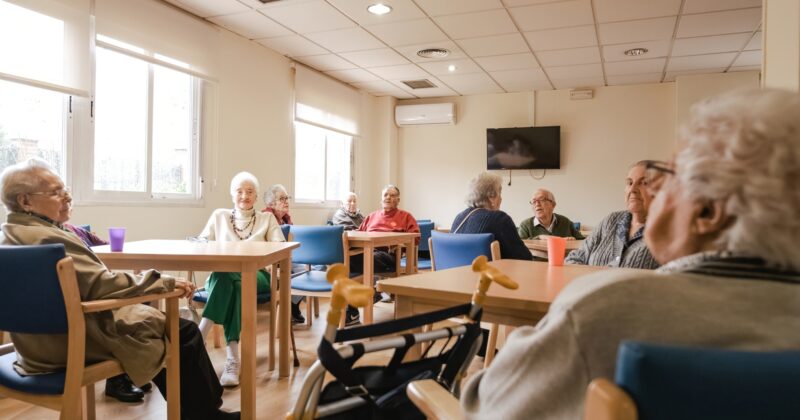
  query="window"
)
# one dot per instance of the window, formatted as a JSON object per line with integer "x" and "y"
{"x": 146, "y": 126}
{"x": 323, "y": 162}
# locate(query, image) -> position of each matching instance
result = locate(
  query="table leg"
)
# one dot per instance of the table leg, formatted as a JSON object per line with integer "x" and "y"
{"x": 248, "y": 343}
{"x": 368, "y": 280}
{"x": 411, "y": 260}
{"x": 173, "y": 363}
{"x": 284, "y": 320}
{"x": 404, "y": 307}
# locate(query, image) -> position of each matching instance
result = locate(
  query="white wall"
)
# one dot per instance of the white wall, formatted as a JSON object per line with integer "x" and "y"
{"x": 695, "y": 87}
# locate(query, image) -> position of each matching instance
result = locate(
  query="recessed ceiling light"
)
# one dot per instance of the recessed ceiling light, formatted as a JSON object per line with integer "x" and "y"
{"x": 633, "y": 52}
{"x": 379, "y": 9}
{"x": 451, "y": 68}
{"x": 433, "y": 53}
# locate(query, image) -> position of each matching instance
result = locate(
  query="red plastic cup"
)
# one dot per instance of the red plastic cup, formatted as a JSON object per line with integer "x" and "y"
{"x": 555, "y": 250}
{"x": 116, "y": 236}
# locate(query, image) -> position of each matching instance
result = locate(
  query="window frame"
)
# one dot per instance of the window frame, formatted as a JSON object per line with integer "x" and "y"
{"x": 326, "y": 204}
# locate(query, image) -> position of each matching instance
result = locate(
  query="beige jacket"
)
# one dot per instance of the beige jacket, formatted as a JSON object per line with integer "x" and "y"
{"x": 134, "y": 335}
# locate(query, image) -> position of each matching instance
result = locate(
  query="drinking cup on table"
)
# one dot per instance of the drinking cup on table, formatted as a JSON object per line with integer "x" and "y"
{"x": 555, "y": 250}
{"x": 116, "y": 236}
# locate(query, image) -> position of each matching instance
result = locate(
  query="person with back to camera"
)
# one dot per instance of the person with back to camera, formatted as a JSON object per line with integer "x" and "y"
{"x": 224, "y": 306}
{"x": 348, "y": 215}
{"x": 39, "y": 204}
{"x": 724, "y": 225}
{"x": 545, "y": 221}
{"x": 618, "y": 239}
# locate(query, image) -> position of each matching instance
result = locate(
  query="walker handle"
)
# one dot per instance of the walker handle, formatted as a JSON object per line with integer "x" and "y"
{"x": 489, "y": 274}
{"x": 345, "y": 291}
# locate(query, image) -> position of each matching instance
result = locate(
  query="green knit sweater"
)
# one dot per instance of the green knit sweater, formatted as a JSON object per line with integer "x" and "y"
{"x": 563, "y": 228}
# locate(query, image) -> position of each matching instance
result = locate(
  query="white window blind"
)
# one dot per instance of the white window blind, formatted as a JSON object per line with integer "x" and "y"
{"x": 323, "y": 101}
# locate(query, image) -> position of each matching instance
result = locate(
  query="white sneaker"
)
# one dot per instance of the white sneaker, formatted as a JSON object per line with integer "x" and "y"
{"x": 230, "y": 375}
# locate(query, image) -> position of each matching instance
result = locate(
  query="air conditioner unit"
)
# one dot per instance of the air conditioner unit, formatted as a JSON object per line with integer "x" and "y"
{"x": 405, "y": 115}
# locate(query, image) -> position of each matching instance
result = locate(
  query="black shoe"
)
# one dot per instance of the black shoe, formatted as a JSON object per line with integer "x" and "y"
{"x": 297, "y": 314}
{"x": 352, "y": 318}
{"x": 121, "y": 388}
{"x": 376, "y": 297}
{"x": 147, "y": 387}
{"x": 224, "y": 415}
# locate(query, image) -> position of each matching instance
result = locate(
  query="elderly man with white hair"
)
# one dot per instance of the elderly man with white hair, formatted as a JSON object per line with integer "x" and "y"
{"x": 348, "y": 215}
{"x": 545, "y": 221}
{"x": 724, "y": 225}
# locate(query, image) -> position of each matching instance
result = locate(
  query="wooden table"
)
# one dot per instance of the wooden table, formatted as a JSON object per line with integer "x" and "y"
{"x": 538, "y": 247}
{"x": 368, "y": 241}
{"x": 244, "y": 257}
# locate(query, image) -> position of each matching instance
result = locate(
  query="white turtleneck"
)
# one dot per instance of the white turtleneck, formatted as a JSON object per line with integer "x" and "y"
{"x": 264, "y": 226}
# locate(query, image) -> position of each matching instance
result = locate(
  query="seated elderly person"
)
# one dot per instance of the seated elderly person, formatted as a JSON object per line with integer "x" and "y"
{"x": 348, "y": 215}
{"x": 483, "y": 215}
{"x": 277, "y": 200}
{"x": 545, "y": 221}
{"x": 39, "y": 204}
{"x": 617, "y": 240}
{"x": 723, "y": 223}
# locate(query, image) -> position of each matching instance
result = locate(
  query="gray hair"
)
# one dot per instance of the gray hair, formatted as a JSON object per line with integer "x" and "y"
{"x": 272, "y": 193}
{"x": 23, "y": 178}
{"x": 347, "y": 195}
{"x": 483, "y": 187}
{"x": 547, "y": 194}
{"x": 743, "y": 149}
{"x": 387, "y": 186}
{"x": 243, "y": 178}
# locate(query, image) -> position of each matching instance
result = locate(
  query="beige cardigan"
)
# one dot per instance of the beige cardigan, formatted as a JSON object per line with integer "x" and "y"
{"x": 134, "y": 335}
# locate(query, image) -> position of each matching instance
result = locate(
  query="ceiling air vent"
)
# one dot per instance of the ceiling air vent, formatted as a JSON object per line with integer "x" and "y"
{"x": 419, "y": 84}
{"x": 433, "y": 53}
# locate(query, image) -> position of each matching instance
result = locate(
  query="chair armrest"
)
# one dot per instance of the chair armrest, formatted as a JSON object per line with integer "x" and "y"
{"x": 606, "y": 401}
{"x": 6, "y": 348}
{"x": 106, "y": 304}
{"x": 434, "y": 401}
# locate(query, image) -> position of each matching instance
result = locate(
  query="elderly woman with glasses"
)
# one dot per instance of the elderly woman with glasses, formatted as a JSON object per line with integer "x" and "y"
{"x": 39, "y": 205}
{"x": 724, "y": 225}
{"x": 618, "y": 239}
{"x": 545, "y": 221}
{"x": 277, "y": 200}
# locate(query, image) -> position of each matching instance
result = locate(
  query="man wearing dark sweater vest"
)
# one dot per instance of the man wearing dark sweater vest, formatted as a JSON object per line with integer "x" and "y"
{"x": 545, "y": 221}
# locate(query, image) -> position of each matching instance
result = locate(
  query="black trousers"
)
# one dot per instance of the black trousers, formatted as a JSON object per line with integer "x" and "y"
{"x": 383, "y": 262}
{"x": 201, "y": 393}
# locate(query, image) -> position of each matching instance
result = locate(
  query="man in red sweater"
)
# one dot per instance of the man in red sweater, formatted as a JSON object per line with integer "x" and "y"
{"x": 388, "y": 219}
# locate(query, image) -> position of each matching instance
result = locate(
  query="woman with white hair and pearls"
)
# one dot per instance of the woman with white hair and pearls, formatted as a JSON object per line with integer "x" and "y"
{"x": 724, "y": 226}
{"x": 224, "y": 306}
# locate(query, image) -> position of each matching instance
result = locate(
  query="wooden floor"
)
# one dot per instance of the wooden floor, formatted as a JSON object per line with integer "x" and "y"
{"x": 274, "y": 396}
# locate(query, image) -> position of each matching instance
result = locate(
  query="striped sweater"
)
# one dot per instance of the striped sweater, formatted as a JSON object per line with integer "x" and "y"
{"x": 609, "y": 245}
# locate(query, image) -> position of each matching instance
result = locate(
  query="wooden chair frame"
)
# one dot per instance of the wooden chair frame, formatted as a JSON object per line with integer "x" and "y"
{"x": 77, "y": 401}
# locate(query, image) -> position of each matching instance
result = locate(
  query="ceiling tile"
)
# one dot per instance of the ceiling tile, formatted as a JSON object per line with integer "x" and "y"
{"x": 463, "y": 66}
{"x": 583, "y": 71}
{"x": 251, "y": 25}
{"x": 353, "y": 75}
{"x": 474, "y": 25}
{"x": 410, "y": 32}
{"x": 472, "y": 84}
{"x": 748, "y": 58}
{"x": 701, "y": 6}
{"x": 383, "y": 88}
{"x": 343, "y": 40}
{"x": 401, "y": 72}
{"x": 718, "y": 23}
{"x": 755, "y": 42}
{"x": 508, "y": 62}
{"x": 517, "y": 3}
{"x": 654, "y": 49}
{"x": 410, "y": 51}
{"x": 306, "y": 17}
{"x": 655, "y": 65}
{"x": 553, "y": 15}
{"x": 698, "y": 62}
{"x": 205, "y": 8}
{"x": 579, "y": 83}
{"x": 569, "y": 57}
{"x": 670, "y": 75}
{"x": 744, "y": 68}
{"x": 637, "y": 30}
{"x": 293, "y": 46}
{"x": 555, "y": 39}
{"x": 710, "y": 44}
{"x": 357, "y": 10}
{"x": 617, "y": 10}
{"x": 633, "y": 79}
{"x": 375, "y": 58}
{"x": 449, "y": 7}
{"x": 256, "y": 4}
{"x": 521, "y": 80}
{"x": 326, "y": 62}
{"x": 494, "y": 45}
{"x": 440, "y": 90}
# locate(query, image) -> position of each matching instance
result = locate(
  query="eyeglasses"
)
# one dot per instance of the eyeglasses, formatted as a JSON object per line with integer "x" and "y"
{"x": 285, "y": 199}
{"x": 655, "y": 173}
{"x": 60, "y": 193}
{"x": 540, "y": 201}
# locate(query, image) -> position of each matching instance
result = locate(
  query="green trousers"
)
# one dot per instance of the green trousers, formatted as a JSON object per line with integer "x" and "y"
{"x": 224, "y": 304}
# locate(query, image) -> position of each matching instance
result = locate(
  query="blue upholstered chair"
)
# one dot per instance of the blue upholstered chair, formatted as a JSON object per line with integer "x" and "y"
{"x": 656, "y": 382}
{"x": 41, "y": 296}
{"x": 425, "y": 229}
{"x": 285, "y": 229}
{"x": 319, "y": 245}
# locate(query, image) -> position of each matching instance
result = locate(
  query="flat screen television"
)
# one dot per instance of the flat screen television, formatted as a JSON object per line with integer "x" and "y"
{"x": 523, "y": 148}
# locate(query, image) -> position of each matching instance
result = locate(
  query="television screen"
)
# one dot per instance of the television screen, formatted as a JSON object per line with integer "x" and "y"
{"x": 523, "y": 148}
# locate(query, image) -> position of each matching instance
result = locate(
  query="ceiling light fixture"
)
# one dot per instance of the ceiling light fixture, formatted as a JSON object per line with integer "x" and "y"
{"x": 451, "y": 68}
{"x": 633, "y": 52}
{"x": 433, "y": 53}
{"x": 379, "y": 9}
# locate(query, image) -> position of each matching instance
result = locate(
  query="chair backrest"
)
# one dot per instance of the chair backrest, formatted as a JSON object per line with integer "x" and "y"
{"x": 425, "y": 229}
{"x": 318, "y": 244}
{"x": 424, "y": 221}
{"x": 285, "y": 229}
{"x": 450, "y": 250}
{"x": 670, "y": 382}
{"x": 33, "y": 302}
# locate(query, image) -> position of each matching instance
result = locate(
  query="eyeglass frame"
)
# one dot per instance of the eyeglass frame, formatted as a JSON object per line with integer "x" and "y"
{"x": 60, "y": 193}
{"x": 284, "y": 199}
{"x": 541, "y": 200}
{"x": 658, "y": 167}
